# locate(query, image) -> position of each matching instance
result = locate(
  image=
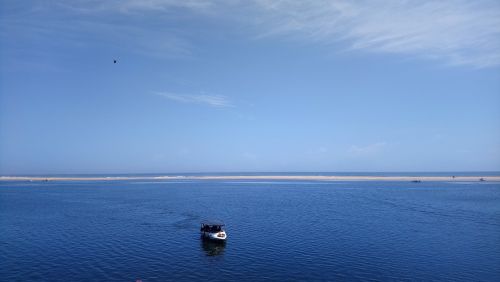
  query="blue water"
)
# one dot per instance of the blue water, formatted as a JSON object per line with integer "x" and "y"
{"x": 360, "y": 173}
{"x": 277, "y": 230}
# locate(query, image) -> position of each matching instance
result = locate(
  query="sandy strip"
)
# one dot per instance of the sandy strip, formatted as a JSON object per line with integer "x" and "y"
{"x": 261, "y": 177}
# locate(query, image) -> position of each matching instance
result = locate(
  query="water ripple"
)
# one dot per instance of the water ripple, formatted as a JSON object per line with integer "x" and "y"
{"x": 292, "y": 231}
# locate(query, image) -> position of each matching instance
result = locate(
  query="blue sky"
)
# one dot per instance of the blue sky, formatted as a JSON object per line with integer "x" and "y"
{"x": 219, "y": 86}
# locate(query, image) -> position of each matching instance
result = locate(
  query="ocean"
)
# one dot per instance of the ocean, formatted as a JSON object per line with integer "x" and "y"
{"x": 277, "y": 231}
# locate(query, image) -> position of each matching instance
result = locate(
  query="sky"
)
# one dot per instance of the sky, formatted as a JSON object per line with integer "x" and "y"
{"x": 251, "y": 86}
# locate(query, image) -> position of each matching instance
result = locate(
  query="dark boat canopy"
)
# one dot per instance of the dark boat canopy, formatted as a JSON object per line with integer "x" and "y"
{"x": 212, "y": 223}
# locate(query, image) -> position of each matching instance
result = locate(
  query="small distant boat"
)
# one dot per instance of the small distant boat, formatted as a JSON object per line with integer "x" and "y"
{"x": 482, "y": 179}
{"x": 213, "y": 230}
{"x": 416, "y": 181}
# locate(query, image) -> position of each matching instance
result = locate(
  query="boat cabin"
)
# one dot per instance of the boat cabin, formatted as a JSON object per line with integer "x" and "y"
{"x": 212, "y": 226}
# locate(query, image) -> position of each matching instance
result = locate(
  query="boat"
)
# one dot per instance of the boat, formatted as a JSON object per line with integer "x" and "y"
{"x": 213, "y": 230}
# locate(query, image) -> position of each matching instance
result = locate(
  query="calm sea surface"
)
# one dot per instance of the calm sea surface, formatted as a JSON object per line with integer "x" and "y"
{"x": 284, "y": 231}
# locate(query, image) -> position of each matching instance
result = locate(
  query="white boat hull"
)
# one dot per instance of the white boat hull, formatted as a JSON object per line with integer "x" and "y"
{"x": 218, "y": 236}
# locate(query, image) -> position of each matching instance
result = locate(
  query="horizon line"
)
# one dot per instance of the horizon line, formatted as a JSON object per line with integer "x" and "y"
{"x": 250, "y": 172}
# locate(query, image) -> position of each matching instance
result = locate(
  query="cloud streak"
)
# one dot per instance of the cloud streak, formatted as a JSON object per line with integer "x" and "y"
{"x": 217, "y": 101}
{"x": 87, "y": 24}
{"x": 452, "y": 32}
{"x": 368, "y": 150}
{"x": 456, "y": 32}
{"x": 134, "y": 6}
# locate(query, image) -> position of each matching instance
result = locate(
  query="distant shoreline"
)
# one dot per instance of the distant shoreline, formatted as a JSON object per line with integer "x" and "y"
{"x": 259, "y": 177}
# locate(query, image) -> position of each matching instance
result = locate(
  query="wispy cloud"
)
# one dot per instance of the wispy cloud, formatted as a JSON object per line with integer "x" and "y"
{"x": 198, "y": 5}
{"x": 133, "y": 6}
{"x": 367, "y": 150}
{"x": 116, "y": 26}
{"x": 205, "y": 99}
{"x": 457, "y": 32}
{"x": 453, "y": 32}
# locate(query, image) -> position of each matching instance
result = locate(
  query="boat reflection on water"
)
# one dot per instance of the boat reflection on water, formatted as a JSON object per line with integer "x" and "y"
{"x": 213, "y": 248}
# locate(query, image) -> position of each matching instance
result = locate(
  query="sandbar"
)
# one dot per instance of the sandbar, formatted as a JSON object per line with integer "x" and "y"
{"x": 259, "y": 177}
